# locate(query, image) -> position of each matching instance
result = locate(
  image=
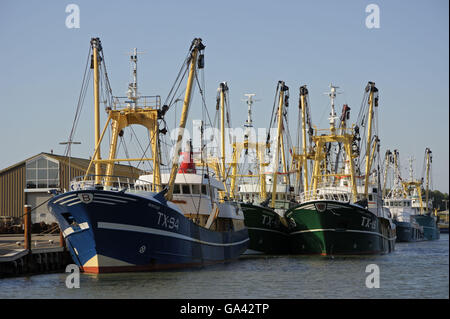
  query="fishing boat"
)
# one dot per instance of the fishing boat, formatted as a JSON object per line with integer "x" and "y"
{"x": 268, "y": 231}
{"x": 400, "y": 206}
{"x": 423, "y": 208}
{"x": 112, "y": 224}
{"x": 336, "y": 214}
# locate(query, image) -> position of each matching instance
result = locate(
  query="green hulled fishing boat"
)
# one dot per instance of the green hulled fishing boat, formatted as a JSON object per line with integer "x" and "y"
{"x": 263, "y": 215}
{"x": 266, "y": 230}
{"x": 330, "y": 227}
{"x": 342, "y": 213}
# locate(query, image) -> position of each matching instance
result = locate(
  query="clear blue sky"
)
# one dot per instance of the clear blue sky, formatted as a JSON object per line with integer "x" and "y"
{"x": 250, "y": 44}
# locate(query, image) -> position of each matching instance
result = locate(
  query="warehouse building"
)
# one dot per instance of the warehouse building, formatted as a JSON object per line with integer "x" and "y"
{"x": 29, "y": 181}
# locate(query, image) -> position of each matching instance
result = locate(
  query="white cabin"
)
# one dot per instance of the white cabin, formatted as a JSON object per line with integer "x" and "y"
{"x": 197, "y": 194}
{"x": 250, "y": 193}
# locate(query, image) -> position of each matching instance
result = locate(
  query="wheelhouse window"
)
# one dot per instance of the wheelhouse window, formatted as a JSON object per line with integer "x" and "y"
{"x": 195, "y": 189}
{"x": 204, "y": 191}
{"x": 186, "y": 189}
{"x": 176, "y": 189}
{"x": 42, "y": 173}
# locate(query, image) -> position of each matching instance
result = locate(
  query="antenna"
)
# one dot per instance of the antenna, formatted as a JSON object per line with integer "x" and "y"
{"x": 411, "y": 174}
{"x": 249, "y": 123}
{"x": 132, "y": 92}
{"x": 332, "y": 96}
{"x": 249, "y": 101}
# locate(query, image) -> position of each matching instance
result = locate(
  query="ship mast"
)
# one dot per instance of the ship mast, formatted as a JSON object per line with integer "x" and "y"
{"x": 278, "y": 143}
{"x": 303, "y": 106}
{"x": 320, "y": 154}
{"x": 96, "y": 47}
{"x": 300, "y": 158}
{"x": 249, "y": 123}
{"x": 427, "y": 180}
{"x": 387, "y": 160}
{"x": 132, "y": 92}
{"x": 373, "y": 98}
{"x": 411, "y": 172}
{"x": 222, "y": 172}
{"x": 397, "y": 182}
{"x": 237, "y": 147}
{"x": 196, "y": 47}
{"x": 259, "y": 148}
{"x": 223, "y": 88}
{"x": 121, "y": 117}
{"x": 283, "y": 154}
{"x": 333, "y": 116}
{"x": 332, "y": 120}
{"x": 396, "y": 171}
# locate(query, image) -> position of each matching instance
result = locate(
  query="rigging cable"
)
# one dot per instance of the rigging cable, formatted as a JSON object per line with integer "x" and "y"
{"x": 80, "y": 104}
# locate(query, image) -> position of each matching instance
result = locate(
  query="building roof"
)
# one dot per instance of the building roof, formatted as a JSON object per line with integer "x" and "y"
{"x": 82, "y": 164}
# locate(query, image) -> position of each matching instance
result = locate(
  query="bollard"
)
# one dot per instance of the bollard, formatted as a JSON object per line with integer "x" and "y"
{"x": 27, "y": 227}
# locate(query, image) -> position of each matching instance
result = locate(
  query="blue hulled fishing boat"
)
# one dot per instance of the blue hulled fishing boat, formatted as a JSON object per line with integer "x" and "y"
{"x": 159, "y": 221}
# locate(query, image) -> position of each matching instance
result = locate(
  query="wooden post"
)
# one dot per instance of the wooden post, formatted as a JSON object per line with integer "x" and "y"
{"x": 62, "y": 242}
{"x": 27, "y": 226}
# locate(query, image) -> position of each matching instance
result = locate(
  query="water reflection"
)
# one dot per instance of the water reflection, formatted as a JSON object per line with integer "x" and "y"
{"x": 414, "y": 270}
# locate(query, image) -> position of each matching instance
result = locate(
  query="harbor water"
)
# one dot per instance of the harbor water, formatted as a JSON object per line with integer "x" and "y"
{"x": 413, "y": 270}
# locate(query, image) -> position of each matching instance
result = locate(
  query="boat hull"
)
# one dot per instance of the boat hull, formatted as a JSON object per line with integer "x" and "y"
{"x": 407, "y": 233}
{"x": 119, "y": 232}
{"x": 266, "y": 231}
{"x": 333, "y": 228}
{"x": 430, "y": 226}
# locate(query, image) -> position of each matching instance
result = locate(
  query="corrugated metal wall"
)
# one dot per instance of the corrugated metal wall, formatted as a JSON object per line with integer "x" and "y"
{"x": 64, "y": 175}
{"x": 12, "y": 185}
{"x": 12, "y": 197}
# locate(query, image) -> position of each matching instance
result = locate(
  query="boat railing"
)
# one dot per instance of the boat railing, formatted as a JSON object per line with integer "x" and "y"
{"x": 112, "y": 183}
{"x": 143, "y": 102}
{"x": 338, "y": 131}
{"x": 326, "y": 193}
